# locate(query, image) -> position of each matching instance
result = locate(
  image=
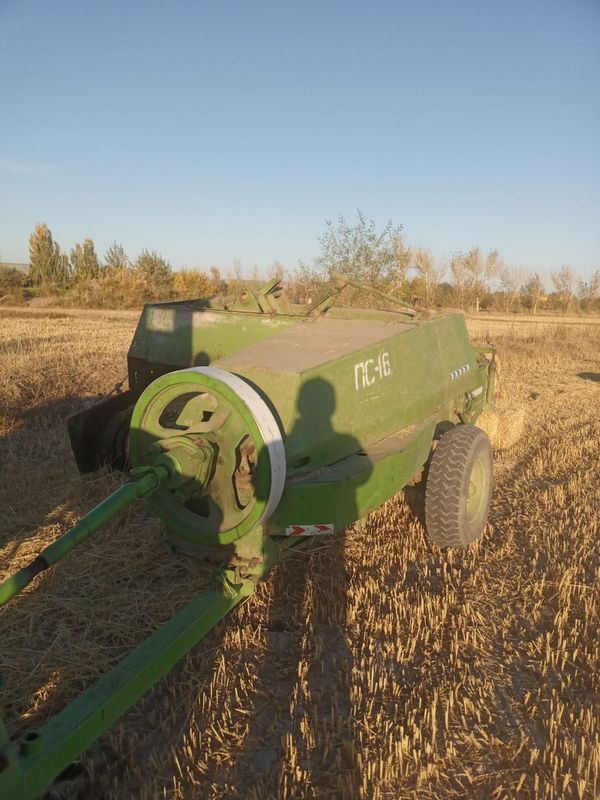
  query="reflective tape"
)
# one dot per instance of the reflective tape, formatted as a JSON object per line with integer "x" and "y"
{"x": 456, "y": 373}
{"x": 309, "y": 530}
{"x": 267, "y": 425}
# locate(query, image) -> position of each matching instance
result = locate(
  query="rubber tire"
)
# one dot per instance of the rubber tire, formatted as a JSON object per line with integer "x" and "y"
{"x": 447, "y": 487}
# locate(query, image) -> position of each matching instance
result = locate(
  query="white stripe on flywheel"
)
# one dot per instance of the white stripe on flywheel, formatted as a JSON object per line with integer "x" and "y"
{"x": 267, "y": 425}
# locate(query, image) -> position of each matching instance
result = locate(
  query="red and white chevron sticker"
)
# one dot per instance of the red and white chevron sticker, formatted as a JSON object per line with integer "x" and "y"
{"x": 309, "y": 530}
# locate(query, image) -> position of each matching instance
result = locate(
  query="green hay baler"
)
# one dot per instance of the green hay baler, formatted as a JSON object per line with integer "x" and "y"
{"x": 253, "y": 428}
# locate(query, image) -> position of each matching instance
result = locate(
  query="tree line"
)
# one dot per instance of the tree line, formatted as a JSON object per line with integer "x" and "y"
{"x": 49, "y": 266}
{"x": 468, "y": 280}
{"x": 82, "y": 277}
{"x": 379, "y": 258}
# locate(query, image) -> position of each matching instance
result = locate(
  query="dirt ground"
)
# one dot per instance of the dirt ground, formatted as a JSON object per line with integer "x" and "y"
{"x": 378, "y": 667}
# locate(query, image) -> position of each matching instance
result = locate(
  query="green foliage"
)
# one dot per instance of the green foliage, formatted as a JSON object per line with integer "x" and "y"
{"x": 85, "y": 265}
{"x": 446, "y": 294}
{"x": 46, "y": 265}
{"x": 12, "y": 286}
{"x": 533, "y": 293}
{"x": 64, "y": 276}
{"x": 153, "y": 268}
{"x": 359, "y": 250}
{"x": 378, "y": 258}
{"x": 116, "y": 257}
{"x": 116, "y": 288}
{"x": 150, "y": 280}
{"x": 190, "y": 283}
{"x": 11, "y": 278}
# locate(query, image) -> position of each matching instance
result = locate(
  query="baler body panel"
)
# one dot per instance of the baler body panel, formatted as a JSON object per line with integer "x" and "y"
{"x": 347, "y": 490}
{"x": 337, "y": 382}
{"x": 341, "y": 385}
{"x": 172, "y": 336}
{"x": 168, "y": 337}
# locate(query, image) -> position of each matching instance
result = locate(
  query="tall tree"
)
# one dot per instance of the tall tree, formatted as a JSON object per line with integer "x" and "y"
{"x": 588, "y": 291}
{"x": 511, "y": 280}
{"x": 116, "y": 257}
{"x": 45, "y": 265}
{"x": 472, "y": 272}
{"x": 564, "y": 284}
{"x": 378, "y": 258}
{"x": 430, "y": 273}
{"x": 153, "y": 268}
{"x": 84, "y": 261}
{"x": 533, "y": 292}
{"x": 64, "y": 274}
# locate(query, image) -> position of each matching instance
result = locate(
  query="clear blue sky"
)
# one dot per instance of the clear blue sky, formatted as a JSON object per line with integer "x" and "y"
{"x": 214, "y": 131}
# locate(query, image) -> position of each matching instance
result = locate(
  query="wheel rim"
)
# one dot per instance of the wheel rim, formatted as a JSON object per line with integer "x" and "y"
{"x": 228, "y": 415}
{"x": 477, "y": 491}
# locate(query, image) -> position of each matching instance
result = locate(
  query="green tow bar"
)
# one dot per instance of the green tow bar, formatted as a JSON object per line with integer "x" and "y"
{"x": 29, "y": 764}
{"x": 88, "y": 524}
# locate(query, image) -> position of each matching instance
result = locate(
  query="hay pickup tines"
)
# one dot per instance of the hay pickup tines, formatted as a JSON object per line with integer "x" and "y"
{"x": 251, "y": 427}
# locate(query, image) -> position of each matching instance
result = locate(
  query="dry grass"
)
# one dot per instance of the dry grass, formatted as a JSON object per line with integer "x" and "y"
{"x": 380, "y": 667}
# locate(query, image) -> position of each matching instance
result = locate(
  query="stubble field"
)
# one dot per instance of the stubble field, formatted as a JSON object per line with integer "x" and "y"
{"x": 379, "y": 666}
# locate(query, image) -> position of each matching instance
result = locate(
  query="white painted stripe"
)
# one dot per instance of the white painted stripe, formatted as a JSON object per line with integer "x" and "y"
{"x": 462, "y": 370}
{"x": 267, "y": 425}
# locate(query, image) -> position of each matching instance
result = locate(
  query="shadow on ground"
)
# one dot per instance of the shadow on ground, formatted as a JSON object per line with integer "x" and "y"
{"x": 589, "y": 376}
